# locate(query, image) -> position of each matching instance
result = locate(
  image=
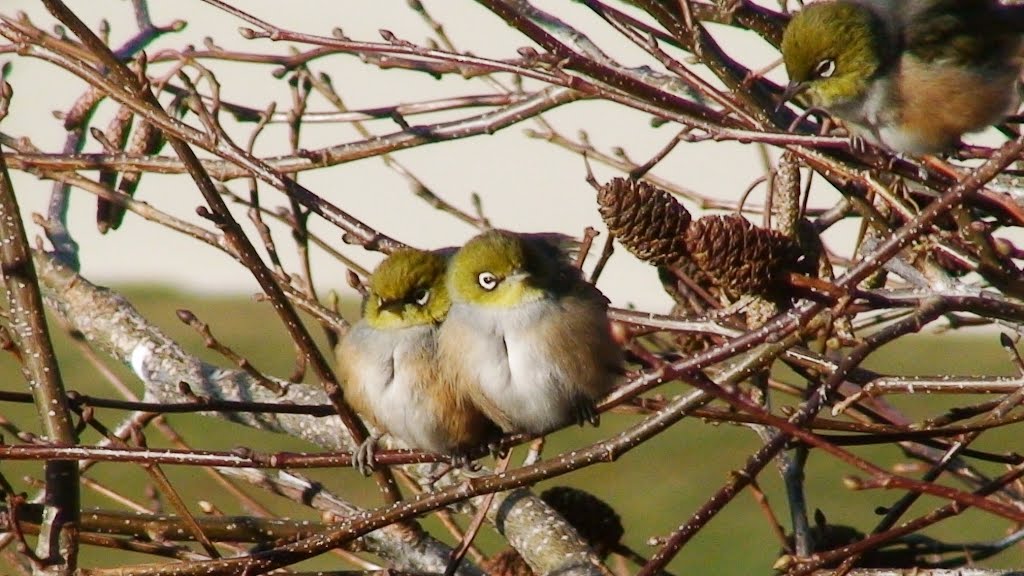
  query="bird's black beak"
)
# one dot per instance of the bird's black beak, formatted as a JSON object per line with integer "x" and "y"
{"x": 793, "y": 89}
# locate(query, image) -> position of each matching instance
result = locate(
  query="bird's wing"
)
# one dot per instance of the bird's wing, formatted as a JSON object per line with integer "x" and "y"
{"x": 563, "y": 250}
{"x": 553, "y": 245}
{"x": 581, "y": 335}
{"x": 961, "y": 32}
{"x": 587, "y": 291}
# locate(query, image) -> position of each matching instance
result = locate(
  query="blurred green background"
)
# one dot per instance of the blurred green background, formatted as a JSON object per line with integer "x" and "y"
{"x": 655, "y": 487}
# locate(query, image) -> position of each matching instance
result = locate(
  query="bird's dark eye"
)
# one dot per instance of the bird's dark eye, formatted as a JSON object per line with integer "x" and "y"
{"x": 825, "y": 68}
{"x": 421, "y": 296}
{"x": 487, "y": 281}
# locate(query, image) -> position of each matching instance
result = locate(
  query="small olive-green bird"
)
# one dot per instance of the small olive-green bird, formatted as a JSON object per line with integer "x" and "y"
{"x": 527, "y": 337}
{"x": 913, "y": 75}
{"x": 389, "y": 367}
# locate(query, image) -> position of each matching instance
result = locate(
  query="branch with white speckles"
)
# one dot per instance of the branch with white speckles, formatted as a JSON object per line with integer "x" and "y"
{"x": 57, "y": 547}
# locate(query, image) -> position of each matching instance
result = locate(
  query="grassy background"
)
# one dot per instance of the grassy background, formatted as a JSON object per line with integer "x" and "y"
{"x": 655, "y": 487}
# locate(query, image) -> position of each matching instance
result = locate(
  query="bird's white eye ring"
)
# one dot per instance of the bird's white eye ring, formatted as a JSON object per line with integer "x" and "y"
{"x": 825, "y": 68}
{"x": 421, "y": 297}
{"x": 487, "y": 281}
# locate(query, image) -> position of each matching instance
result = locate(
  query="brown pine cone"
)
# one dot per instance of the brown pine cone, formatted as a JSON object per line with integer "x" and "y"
{"x": 740, "y": 257}
{"x": 647, "y": 220}
{"x": 506, "y": 563}
{"x": 596, "y": 521}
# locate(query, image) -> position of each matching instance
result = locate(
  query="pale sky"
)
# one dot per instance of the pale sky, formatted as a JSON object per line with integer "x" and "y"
{"x": 525, "y": 184}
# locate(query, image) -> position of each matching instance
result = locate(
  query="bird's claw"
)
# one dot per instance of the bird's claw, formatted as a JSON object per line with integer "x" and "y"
{"x": 362, "y": 459}
{"x": 587, "y": 412}
{"x": 495, "y": 448}
{"x": 437, "y": 474}
{"x": 860, "y": 145}
{"x": 460, "y": 459}
{"x": 463, "y": 459}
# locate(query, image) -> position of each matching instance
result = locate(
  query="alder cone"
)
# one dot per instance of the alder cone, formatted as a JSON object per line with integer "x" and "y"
{"x": 147, "y": 140}
{"x": 596, "y": 521}
{"x": 116, "y": 136}
{"x": 647, "y": 220}
{"x": 740, "y": 257}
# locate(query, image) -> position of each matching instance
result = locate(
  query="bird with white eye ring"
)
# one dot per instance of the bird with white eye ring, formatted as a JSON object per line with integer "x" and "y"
{"x": 389, "y": 366}
{"x": 912, "y": 75}
{"x": 527, "y": 338}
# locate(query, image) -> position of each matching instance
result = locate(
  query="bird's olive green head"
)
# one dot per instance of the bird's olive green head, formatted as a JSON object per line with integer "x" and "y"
{"x": 833, "y": 49}
{"x": 407, "y": 289}
{"x": 501, "y": 269}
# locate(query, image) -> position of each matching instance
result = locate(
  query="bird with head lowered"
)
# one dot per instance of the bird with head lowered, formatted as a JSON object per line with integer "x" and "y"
{"x": 911, "y": 75}
{"x": 527, "y": 337}
{"x": 389, "y": 365}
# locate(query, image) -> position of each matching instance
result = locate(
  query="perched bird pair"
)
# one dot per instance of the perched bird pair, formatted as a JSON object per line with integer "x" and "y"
{"x": 502, "y": 334}
{"x": 911, "y": 75}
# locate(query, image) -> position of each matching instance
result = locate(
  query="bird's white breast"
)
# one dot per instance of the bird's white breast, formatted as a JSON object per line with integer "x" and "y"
{"x": 513, "y": 365}
{"x": 396, "y": 386}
